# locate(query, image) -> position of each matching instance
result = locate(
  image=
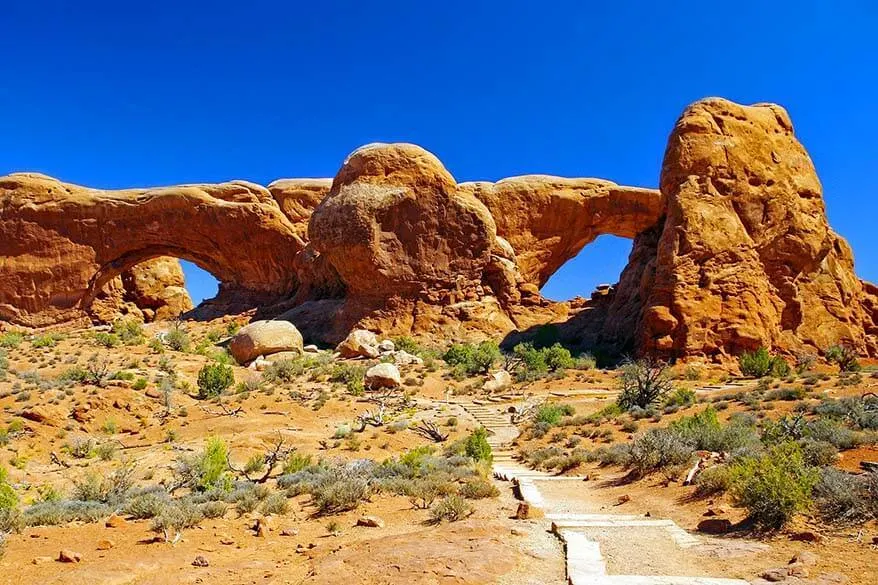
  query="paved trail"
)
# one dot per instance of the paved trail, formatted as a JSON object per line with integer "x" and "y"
{"x": 600, "y": 548}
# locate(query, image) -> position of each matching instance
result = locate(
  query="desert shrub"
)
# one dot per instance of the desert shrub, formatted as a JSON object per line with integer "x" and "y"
{"x": 760, "y": 363}
{"x": 859, "y": 412}
{"x": 550, "y": 414}
{"x": 478, "y": 488}
{"x": 618, "y": 454}
{"x": 4, "y": 364}
{"x": 206, "y": 471}
{"x": 681, "y": 397}
{"x": 473, "y": 359}
{"x": 642, "y": 383}
{"x": 657, "y": 449}
{"x": 283, "y": 370}
{"x": 844, "y": 498}
{"x": 831, "y": 431}
{"x": 64, "y": 511}
{"x": 476, "y": 446}
{"x": 147, "y": 505}
{"x": 351, "y": 375}
{"x": 177, "y": 338}
{"x": 214, "y": 379}
{"x": 129, "y": 331}
{"x": 215, "y": 509}
{"x": 175, "y": 518}
{"x": 713, "y": 480}
{"x": 106, "y": 339}
{"x": 275, "y": 504}
{"x": 407, "y": 344}
{"x": 46, "y": 340}
{"x": 11, "y": 339}
{"x": 786, "y": 394}
{"x": 140, "y": 384}
{"x": 341, "y": 495}
{"x": 110, "y": 489}
{"x": 773, "y": 487}
{"x": 450, "y": 508}
{"x": 8, "y": 497}
{"x": 585, "y": 361}
{"x": 558, "y": 358}
{"x": 818, "y": 453}
{"x": 844, "y": 356}
{"x": 804, "y": 362}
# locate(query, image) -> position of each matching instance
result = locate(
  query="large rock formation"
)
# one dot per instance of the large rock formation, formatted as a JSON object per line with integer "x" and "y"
{"x": 149, "y": 291}
{"x": 61, "y": 243}
{"x": 745, "y": 256}
{"x": 733, "y": 252}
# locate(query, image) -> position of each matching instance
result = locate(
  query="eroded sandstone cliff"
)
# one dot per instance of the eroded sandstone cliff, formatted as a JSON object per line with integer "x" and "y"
{"x": 732, "y": 252}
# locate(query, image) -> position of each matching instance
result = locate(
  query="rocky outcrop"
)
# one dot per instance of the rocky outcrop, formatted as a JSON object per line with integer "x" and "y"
{"x": 744, "y": 257}
{"x": 549, "y": 220}
{"x": 153, "y": 290}
{"x": 262, "y": 338}
{"x": 732, "y": 252}
{"x": 61, "y": 243}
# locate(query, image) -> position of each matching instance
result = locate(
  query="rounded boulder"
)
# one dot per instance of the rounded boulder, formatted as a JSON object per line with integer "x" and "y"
{"x": 265, "y": 338}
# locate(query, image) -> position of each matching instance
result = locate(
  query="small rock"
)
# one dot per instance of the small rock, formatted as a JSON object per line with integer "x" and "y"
{"x": 116, "y": 521}
{"x": 806, "y": 536}
{"x": 69, "y": 556}
{"x": 404, "y": 358}
{"x": 383, "y": 376}
{"x": 311, "y": 349}
{"x": 517, "y": 532}
{"x": 386, "y": 346}
{"x": 359, "y": 343}
{"x": 200, "y": 561}
{"x": 105, "y": 544}
{"x": 715, "y": 526}
{"x": 715, "y": 512}
{"x": 370, "y": 522}
{"x": 804, "y": 557}
{"x": 226, "y": 539}
{"x": 774, "y": 575}
{"x": 262, "y": 527}
{"x": 523, "y": 512}
{"x": 289, "y": 532}
{"x": 41, "y": 560}
{"x": 798, "y": 571}
{"x": 498, "y": 381}
{"x": 623, "y": 499}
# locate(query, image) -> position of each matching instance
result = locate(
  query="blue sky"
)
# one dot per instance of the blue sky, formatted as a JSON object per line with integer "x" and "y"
{"x": 120, "y": 94}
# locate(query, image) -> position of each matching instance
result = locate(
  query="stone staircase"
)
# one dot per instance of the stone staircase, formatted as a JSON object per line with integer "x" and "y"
{"x": 585, "y": 564}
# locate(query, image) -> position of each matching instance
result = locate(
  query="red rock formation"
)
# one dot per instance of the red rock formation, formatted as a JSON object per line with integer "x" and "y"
{"x": 745, "y": 257}
{"x": 149, "y": 291}
{"x": 733, "y": 252}
{"x": 61, "y": 244}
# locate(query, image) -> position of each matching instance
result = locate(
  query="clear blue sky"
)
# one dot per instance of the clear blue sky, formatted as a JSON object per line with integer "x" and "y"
{"x": 117, "y": 94}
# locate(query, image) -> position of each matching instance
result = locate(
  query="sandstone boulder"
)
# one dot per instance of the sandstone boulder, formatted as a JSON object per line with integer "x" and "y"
{"x": 497, "y": 381}
{"x": 383, "y": 376}
{"x": 359, "y": 343}
{"x": 264, "y": 338}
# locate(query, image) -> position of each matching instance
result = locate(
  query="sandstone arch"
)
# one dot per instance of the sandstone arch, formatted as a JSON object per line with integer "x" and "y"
{"x": 549, "y": 220}
{"x": 63, "y": 242}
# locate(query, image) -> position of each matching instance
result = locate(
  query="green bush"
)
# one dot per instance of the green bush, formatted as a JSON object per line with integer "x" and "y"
{"x": 477, "y": 447}
{"x": 558, "y": 358}
{"x": 213, "y": 465}
{"x": 479, "y": 488}
{"x": 657, "y": 449}
{"x": 773, "y": 487}
{"x": 681, "y": 398}
{"x": 46, "y": 340}
{"x": 11, "y": 339}
{"x": 713, "y": 480}
{"x": 451, "y": 508}
{"x": 845, "y": 356}
{"x": 214, "y": 379}
{"x": 473, "y": 359}
{"x": 643, "y": 383}
{"x": 8, "y": 497}
{"x": 106, "y": 339}
{"x": 760, "y": 363}
{"x": 351, "y": 375}
{"x": 177, "y": 339}
{"x": 551, "y": 414}
{"x": 407, "y": 344}
{"x": 129, "y": 331}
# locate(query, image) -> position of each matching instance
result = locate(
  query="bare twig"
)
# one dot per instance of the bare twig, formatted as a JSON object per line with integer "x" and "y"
{"x": 429, "y": 430}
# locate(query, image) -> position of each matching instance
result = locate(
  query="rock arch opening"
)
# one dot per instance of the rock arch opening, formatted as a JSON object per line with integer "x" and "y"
{"x": 595, "y": 267}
